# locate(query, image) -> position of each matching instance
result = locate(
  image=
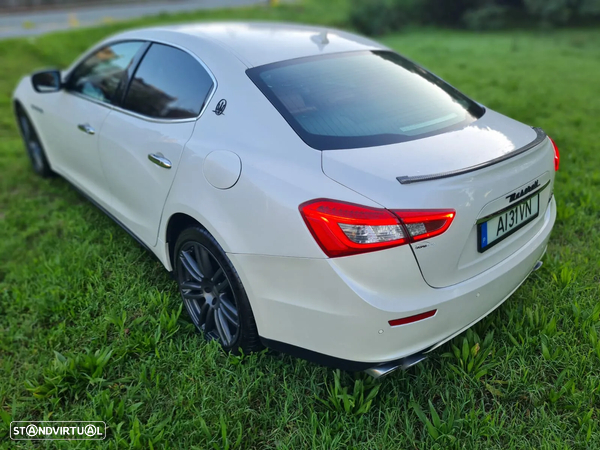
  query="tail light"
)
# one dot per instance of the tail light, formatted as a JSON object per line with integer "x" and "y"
{"x": 426, "y": 224}
{"x": 343, "y": 229}
{"x": 556, "y": 155}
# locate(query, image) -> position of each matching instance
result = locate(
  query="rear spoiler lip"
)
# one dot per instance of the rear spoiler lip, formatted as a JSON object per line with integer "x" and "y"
{"x": 437, "y": 176}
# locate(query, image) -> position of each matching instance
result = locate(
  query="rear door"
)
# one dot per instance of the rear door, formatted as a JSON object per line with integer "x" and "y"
{"x": 143, "y": 139}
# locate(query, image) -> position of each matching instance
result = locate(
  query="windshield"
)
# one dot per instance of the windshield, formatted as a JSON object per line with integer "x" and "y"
{"x": 362, "y": 99}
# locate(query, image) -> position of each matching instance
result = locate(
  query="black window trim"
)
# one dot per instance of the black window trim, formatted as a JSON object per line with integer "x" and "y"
{"x": 124, "y": 81}
{"x": 124, "y": 87}
{"x": 207, "y": 99}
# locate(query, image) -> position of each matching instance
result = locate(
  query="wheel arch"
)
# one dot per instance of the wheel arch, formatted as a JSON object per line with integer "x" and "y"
{"x": 16, "y": 104}
{"x": 177, "y": 223}
{"x": 22, "y": 96}
{"x": 19, "y": 108}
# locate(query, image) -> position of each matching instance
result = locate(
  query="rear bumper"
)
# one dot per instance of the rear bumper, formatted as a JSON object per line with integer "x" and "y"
{"x": 336, "y": 311}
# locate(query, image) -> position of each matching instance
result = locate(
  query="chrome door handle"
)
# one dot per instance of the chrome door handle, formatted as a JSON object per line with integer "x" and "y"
{"x": 86, "y": 128}
{"x": 159, "y": 160}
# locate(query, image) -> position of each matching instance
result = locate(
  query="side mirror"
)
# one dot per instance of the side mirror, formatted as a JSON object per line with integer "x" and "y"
{"x": 46, "y": 81}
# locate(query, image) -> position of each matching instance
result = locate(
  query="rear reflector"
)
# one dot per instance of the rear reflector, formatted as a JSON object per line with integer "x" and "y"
{"x": 411, "y": 319}
{"x": 343, "y": 229}
{"x": 556, "y": 155}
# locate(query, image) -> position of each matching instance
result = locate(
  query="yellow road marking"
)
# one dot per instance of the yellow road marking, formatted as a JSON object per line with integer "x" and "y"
{"x": 73, "y": 22}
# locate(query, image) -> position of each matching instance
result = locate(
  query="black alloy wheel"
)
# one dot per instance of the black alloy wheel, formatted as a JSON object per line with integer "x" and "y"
{"x": 212, "y": 292}
{"x": 34, "y": 147}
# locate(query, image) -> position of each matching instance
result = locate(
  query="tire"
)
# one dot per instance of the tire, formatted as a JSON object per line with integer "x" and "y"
{"x": 33, "y": 145}
{"x": 212, "y": 292}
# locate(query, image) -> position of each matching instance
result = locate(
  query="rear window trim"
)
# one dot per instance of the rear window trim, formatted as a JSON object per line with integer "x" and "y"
{"x": 323, "y": 142}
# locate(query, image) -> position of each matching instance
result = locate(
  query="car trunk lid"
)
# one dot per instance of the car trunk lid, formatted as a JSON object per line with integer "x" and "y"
{"x": 479, "y": 171}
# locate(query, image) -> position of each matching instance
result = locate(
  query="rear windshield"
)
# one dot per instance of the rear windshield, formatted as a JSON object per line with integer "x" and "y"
{"x": 362, "y": 99}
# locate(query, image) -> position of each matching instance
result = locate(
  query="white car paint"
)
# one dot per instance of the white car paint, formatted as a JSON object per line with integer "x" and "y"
{"x": 71, "y": 151}
{"x": 243, "y": 175}
{"x": 476, "y": 195}
{"x": 222, "y": 169}
{"x": 139, "y": 189}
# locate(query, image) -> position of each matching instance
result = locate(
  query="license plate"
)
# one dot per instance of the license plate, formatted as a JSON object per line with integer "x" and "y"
{"x": 506, "y": 222}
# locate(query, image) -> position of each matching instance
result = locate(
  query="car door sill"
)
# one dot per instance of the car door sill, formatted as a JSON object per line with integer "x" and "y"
{"x": 117, "y": 221}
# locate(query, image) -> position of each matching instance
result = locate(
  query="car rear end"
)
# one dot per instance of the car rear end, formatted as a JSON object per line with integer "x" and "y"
{"x": 364, "y": 310}
{"x": 498, "y": 206}
{"x": 501, "y": 217}
{"x": 464, "y": 210}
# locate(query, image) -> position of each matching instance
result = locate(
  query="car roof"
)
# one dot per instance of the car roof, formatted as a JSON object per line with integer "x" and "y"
{"x": 259, "y": 43}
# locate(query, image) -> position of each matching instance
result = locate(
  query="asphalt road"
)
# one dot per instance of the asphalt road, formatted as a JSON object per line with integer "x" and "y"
{"x": 39, "y": 22}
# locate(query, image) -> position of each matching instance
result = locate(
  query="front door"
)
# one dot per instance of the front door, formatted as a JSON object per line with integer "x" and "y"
{"x": 73, "y": 138}
{"x": 76, "y": 119}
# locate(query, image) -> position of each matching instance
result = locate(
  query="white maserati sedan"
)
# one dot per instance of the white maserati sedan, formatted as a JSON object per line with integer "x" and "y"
{"x": 311, "y": 190}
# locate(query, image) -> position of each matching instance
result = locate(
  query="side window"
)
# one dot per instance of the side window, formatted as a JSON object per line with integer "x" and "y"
{"x": 99, "y": 75}
{"x": 168, "y": 84}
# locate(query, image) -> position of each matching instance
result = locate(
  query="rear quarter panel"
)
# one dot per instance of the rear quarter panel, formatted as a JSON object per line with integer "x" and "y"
{"x": 259, "y": 214}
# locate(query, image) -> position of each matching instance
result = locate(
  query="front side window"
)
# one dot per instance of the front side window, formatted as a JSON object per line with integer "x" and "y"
{"x": 362, "y": 99}
{"x": 168, "y": 84}
{"x": 99, "y": 76}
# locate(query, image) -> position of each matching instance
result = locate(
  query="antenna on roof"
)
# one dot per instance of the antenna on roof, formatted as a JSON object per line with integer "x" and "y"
{"x": 320, "y": 39}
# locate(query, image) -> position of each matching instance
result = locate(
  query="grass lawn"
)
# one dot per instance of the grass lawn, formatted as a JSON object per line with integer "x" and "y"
{"x": 91, "y": 326}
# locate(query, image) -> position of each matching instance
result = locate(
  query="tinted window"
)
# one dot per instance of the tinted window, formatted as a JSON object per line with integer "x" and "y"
{"x": 99, "y": 75}
{"x": 168, "y": 84}
{"x": 362, "y": 99}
